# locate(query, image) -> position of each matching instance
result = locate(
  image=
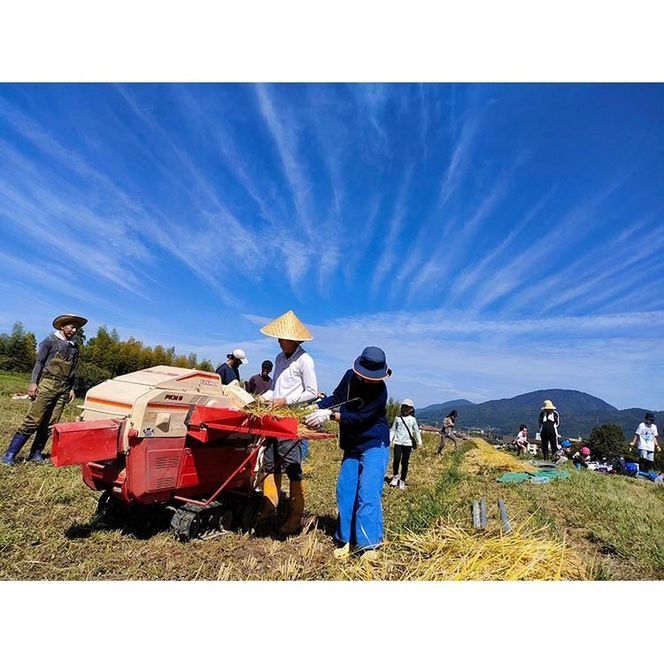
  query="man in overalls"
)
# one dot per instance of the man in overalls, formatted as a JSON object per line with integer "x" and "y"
{"x": 51, "y": 388}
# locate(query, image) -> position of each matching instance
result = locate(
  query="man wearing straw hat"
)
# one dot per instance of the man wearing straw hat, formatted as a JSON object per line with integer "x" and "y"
{"x": 294, "y": 382}
{"x": 51, "y": 388}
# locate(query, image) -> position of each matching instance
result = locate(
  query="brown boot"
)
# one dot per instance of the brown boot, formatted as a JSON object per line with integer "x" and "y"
{"x": 296, "y": 505}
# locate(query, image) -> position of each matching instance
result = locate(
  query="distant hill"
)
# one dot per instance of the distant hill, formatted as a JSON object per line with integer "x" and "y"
{"x": 435, "y": 410}
{"x": 579, "y": 413}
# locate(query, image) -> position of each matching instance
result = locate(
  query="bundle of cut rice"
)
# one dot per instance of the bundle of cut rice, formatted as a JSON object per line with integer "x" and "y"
{"x": 450, "y": 553}
{"x": 485, "y": 457}
{"x": 260, "y": 408}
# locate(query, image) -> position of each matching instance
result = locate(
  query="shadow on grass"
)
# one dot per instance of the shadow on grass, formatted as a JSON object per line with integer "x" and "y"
{"x": 138, "y": 522}
{"x": 325, "y": 524}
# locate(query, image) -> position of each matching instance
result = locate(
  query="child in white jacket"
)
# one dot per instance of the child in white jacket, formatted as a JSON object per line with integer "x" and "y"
{"x": 405, "y": 436}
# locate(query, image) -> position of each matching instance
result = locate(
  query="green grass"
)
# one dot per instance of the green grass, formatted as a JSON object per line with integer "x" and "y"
{"x": 47, "y": 529}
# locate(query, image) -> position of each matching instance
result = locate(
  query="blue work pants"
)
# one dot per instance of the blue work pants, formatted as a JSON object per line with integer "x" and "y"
{"x": 359, "y": 490}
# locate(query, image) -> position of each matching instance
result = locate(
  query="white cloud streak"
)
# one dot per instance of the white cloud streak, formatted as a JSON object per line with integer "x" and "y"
{"x": 286, "y": 142}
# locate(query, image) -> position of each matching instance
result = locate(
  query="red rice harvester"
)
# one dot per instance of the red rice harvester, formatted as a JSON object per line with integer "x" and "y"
{"x": 176, "y": 437}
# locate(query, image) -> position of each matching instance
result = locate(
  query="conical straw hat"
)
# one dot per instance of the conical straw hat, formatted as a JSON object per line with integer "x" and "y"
{"x": 288, "y": 326}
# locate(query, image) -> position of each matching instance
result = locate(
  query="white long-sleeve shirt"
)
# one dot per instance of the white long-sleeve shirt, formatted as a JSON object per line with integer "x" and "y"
{"x": 294, "y": 378}
{"x": 399, "y": 433}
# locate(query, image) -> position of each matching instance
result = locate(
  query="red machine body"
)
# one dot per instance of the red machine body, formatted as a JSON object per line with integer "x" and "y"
{"x": 218, "y": 454}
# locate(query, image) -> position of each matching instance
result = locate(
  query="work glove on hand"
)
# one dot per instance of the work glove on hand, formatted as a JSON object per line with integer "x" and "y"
{"x": 318, "y": 417}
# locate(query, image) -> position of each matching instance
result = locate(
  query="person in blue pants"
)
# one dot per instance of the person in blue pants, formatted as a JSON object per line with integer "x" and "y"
{"x": 364, "y": 437}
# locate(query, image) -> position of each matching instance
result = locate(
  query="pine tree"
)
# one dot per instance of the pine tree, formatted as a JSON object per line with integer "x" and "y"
{"x": 21, "y": 349}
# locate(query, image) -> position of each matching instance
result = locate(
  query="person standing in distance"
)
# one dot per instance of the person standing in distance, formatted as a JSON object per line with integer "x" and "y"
{"x": 549, "y": 421}
{"x": 51, "y": 388}
{"x": 645, "y": 438}
{"x": 405, "y": 436}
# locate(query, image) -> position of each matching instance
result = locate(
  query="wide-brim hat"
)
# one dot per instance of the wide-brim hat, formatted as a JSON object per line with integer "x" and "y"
{"x": 288, "y": 326}
{"x": 69, "y": 319}
{"x": 408, "y": 402}
{"x": 548, "y": 405}
{"x": 372, "y": 364}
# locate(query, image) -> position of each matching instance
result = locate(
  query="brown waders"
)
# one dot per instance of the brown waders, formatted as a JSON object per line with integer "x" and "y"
{"x": 46, "y": 409}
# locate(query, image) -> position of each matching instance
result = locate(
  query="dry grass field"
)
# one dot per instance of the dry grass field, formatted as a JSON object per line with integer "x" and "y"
{"x": 586, "y": 527}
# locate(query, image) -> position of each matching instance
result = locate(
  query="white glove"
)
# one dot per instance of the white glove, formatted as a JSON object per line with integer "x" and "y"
{"x": 317, "y": 418}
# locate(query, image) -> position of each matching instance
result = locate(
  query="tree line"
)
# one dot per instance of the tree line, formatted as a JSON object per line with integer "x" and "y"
{"x": 102, "y": 357}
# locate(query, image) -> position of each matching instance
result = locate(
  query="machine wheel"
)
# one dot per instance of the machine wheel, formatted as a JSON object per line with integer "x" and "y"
{"x": 186, "y": 524}
{"x": 225, "y": 520}
{"x": 107, "y": 506}
{"x": 104, "y": 502}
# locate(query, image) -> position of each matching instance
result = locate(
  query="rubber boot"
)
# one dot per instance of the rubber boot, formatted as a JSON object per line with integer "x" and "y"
{"x": 270, "y": 498}
{"x": 38, "y": 445}
{"x": 14, "y": 448}
{"x": 36, "y": 456}
{"x": 296, "y": 504}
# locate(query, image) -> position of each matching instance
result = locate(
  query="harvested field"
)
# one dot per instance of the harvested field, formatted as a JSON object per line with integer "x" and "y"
{"x": 589, "y": 526}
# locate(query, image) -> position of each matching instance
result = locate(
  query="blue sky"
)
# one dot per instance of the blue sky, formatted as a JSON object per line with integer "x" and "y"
{"x": 494, "y": 239}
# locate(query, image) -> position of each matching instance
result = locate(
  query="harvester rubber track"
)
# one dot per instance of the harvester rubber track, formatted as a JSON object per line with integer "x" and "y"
{"x": 205, "y": 522}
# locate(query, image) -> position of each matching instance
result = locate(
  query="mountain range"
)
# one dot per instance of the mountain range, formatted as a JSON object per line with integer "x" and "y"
{"x": 579, "y": 413}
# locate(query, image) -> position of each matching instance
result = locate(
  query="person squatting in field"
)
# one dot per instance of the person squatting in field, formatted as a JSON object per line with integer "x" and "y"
{"x": 405, "y": 436}
{"x": 521, "y": 440}
{"x": 364, "y": 437}
{"x": 581, "y": 458}
{"x": 549, "y": 421}
{"x": 51, "y": 388}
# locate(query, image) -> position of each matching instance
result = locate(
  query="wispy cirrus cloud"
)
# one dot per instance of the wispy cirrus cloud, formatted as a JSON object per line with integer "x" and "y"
{"x": 59, "y": 221}
{"x": 461, "y": 155}
{"x": 470, "y": 277}
{"x": 393, "y": 229}
{"x": 574, "y": 227}
{"x": 458, "y": 238}
{"x": 286, "y": 142}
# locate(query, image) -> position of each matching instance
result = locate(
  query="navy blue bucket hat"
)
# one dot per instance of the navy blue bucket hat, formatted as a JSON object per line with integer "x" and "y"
{"x": 372, "y": 364}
